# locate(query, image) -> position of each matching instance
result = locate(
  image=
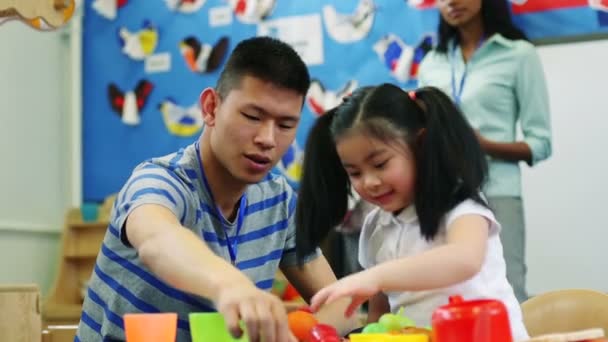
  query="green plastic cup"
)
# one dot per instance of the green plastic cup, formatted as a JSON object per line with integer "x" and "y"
{"x": 211, "y": 327}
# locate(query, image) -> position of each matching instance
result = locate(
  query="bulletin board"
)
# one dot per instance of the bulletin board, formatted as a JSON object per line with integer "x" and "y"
{"x": 146, "y": 62}
{"x": 141, "y": 81}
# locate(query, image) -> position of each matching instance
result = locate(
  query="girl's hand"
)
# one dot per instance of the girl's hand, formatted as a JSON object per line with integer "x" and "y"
{"x": 359, "y": 287}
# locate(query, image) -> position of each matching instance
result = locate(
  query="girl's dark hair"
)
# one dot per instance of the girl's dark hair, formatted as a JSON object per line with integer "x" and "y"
{"x": 326, "y": 202}
{"x": 450, "y": 165}
{"x": 496, "y": 18}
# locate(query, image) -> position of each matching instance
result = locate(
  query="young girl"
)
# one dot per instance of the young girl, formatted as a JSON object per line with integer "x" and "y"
{"x": 494, "y": 74}
{"x": 417, "y": 159}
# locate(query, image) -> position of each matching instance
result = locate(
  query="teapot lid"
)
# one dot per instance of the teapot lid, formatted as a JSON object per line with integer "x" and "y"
{"x": 458, "y": 304}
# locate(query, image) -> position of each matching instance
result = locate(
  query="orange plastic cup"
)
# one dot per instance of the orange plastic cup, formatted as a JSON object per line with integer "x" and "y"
{"x": 145, "y": 327}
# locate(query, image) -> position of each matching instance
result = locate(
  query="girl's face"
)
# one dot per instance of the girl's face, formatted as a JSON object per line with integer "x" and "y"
{"x": 382, "y": 173}
{"x": 458, "y": 13}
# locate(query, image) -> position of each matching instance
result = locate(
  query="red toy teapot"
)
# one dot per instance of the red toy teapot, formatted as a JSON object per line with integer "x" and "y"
{"x": 472, "y": 321}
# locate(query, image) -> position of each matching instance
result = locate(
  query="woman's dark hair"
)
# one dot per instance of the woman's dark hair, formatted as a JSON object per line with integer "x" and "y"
{"x": 450, "y": 165}
{"x": 496, "y": 18}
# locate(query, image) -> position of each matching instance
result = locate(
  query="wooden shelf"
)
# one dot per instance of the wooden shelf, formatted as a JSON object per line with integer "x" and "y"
{"x": 60, "y": 312}
{"x": 80, "y": 244}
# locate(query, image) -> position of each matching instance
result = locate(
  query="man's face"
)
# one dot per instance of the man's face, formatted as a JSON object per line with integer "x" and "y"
{"x": 252, "y": 127}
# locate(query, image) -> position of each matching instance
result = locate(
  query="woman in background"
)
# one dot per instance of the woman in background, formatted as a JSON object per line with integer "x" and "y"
{"x": 485, "y": 63}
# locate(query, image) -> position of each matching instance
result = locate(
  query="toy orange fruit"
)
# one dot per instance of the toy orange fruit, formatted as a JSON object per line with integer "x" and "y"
{"x": 301, "y": 323}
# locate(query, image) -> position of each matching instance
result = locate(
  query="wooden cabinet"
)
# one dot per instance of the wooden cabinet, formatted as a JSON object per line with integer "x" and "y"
{"x": 20, "y": 315}
{"x": 80, "y": 243}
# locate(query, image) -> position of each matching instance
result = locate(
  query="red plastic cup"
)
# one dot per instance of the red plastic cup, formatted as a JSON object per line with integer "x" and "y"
{"x": 472, "y": 321}
{"x": 145, "y": 327}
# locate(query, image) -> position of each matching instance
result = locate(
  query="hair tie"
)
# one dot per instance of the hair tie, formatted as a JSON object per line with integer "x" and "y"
{"x": 412, "y": 94}
{"x": 419, "y": 103}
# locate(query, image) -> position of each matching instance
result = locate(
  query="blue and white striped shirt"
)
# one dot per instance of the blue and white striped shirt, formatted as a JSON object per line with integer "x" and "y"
{"x": 121, "y": 284}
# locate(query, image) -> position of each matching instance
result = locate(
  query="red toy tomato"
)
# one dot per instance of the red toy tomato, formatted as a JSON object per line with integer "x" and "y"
{"x": 324, "y": 333}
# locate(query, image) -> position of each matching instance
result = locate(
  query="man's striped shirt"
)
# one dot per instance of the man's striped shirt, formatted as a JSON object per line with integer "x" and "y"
{"x": 121, "y": 284}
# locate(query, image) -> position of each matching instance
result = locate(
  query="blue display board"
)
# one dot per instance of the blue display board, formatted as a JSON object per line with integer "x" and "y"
{"x": 146, "y": 62}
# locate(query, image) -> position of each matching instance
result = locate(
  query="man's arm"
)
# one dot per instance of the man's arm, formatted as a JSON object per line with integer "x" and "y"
{"x": 183, "y": 260}
{"x": 311, "y": 277}
{"x": 176, "y": 254}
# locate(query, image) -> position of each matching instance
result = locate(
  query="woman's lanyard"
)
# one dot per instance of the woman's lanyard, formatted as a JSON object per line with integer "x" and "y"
{"x": 457, "y": 92}
{"x": 232, "y": 244}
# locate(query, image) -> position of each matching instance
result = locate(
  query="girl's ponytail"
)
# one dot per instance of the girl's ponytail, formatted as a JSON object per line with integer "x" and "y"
{"x": 451, "y": 165}
{"x": 324, "y": 188}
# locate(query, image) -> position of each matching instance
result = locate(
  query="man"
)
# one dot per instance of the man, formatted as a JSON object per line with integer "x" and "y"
{"x": 207, "y": 227}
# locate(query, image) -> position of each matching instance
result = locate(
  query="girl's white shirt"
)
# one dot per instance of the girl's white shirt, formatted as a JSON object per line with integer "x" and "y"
{"x": 387, "y": 237}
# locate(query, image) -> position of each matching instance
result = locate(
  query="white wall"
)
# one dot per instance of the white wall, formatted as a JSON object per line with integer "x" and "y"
{"x": 565, "y": 197}
{"x": 34, "y": 152}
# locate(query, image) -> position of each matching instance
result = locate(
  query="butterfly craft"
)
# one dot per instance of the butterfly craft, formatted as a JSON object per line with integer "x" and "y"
{"x": 128, "y": 105}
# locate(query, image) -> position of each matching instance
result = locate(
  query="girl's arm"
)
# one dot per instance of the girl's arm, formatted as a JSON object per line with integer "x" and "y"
{"x": 378, "y": 306}
{"x": 310, "y": 278}
{"x": 458, "y": 260}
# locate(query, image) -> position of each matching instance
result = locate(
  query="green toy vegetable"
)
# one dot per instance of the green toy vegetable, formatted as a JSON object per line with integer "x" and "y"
{"x": 374, "y": 328}
{"x": 396, "y": 322}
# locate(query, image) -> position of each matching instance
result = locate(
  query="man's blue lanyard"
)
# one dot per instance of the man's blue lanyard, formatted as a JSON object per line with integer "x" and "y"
{"x": 232, "y": 244}
{"x": 457, "y": 92}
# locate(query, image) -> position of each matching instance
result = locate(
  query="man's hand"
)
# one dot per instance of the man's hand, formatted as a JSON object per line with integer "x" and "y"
{"x": 262, "y": 313}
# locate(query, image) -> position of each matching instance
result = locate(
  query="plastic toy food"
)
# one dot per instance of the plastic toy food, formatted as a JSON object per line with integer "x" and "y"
{"x": 418, "y": 331}
{"x": 301, "y": 323}
{"x": 482, "y": 320}
{"x": 396, "y": 322}
{"x": 375, "y": 328}
{"x": 393, "y": 328}
{"x": 305, "y": 308}
{"x": 391, "y": 323}
{"x": 290, "y": 293}
{"x": 323, "y": 333}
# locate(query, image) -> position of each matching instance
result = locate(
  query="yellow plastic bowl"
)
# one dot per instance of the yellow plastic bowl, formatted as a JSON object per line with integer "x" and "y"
{"x": 387, "y": 338}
